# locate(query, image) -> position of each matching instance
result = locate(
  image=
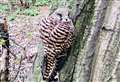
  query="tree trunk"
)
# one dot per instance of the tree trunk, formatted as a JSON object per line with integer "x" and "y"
{"x": 4, "y": 52}
{"x": 95, "y": 54}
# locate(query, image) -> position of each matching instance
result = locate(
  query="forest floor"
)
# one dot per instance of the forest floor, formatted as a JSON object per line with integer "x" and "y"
{"x": 24, "y": 40}
{"x": 24, "y": 30}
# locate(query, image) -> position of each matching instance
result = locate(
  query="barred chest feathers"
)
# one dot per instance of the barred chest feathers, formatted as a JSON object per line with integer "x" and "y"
{"x": 56, "y": 32}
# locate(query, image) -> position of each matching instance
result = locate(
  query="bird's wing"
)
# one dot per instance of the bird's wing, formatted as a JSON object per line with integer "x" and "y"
{"x": 46, "y": 27}
{"x": 48, "y": 64}
{"x": 69, "y": 40}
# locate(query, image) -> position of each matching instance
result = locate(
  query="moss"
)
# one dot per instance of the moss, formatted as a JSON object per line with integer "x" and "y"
{"x": 36, "y": 72}
{"x": 77, "y": 25}
{"x": 68, "y": 71}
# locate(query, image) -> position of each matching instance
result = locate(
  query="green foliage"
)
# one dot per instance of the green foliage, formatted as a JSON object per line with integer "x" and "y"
{"x": 29, "y": 34}
{"x": 32, "y": 11}
{"x": 13, "y": 1}
{"x": 77, "y": 25}
{"x": 29, "y": 12}
{"x": 3, "y": 8}
{"x": 53, "y": 4}
{"x": 11, "y": 17}
{"x": 30, "y": 1}
{"x": 41, "y": 2}
{"x": 2, "y": 41}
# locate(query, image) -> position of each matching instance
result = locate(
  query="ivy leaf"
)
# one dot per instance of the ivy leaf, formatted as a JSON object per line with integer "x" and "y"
{"x": 2, "y": 42}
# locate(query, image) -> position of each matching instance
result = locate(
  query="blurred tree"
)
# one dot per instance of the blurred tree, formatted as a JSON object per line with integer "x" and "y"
{"x": 4, "y": 51}
{"x": 33, "y": 2}
{"x": 11, "y": 5}
{"x": 22, "y": 3}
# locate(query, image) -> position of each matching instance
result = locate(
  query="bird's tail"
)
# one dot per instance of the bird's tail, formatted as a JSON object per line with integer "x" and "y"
{"x": 51, "y": 66}
{"x": 48, "y": 68}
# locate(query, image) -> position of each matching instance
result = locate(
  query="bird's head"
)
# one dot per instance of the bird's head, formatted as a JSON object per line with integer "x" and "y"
{"x": 62, "y": 14}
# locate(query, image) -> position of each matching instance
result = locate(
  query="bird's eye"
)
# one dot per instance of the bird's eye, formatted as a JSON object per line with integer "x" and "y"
{"x": 59, "y": 14}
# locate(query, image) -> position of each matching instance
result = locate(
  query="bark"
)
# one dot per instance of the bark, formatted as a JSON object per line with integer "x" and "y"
{"x": 4, "y": 52}
{"x": 81, "y": 19}
{"x": 97, "y": 57}
{"x": 107, "y": 56}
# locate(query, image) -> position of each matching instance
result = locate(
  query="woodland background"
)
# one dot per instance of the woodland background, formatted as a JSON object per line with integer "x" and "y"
{"x": 93, "y": 57}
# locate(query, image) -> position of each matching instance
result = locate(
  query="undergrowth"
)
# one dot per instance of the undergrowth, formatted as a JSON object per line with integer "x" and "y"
{"x": 28, "y": 12}
{"x": 3, "y": 8}
{"x": 41, "y": 2}
{"x": 31, "y": 11}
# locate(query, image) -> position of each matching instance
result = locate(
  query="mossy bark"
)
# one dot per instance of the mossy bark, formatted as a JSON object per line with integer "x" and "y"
{"x": 81, "y": 23}
{"x": 94, "y": 56}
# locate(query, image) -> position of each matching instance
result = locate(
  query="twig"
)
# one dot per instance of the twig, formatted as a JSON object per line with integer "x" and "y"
{"x": 11, "y": 52}
{"x": 34, "y": 61}
{"x": 17, "y": 43}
